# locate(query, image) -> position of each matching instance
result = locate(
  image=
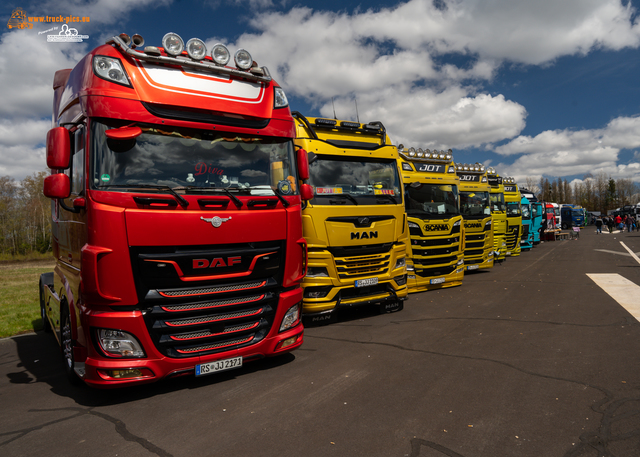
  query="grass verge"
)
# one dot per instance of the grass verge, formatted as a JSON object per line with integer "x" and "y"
{"x": 19, "y": 296}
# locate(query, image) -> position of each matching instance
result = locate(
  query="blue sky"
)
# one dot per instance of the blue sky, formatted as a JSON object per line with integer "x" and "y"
{"x": 546, "y": 88}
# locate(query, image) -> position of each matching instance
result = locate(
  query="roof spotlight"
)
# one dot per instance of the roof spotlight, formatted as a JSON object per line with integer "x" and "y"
{"x": 196, "y": 49}
{"x": 172, "y": 44}
{"x": 243, "y": 59}
{"x": 220, "y": 54}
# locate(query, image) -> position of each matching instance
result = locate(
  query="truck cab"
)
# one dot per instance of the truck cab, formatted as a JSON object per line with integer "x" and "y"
{"x": 526, "y": 238}
{"x": 475, "y": 208}
{"x": 512, "y": 199}
{"x": 436, "y": 227}
{"x": 176, "y": 214}
{"x": 498, "y": 213}
{"x": 354, "y": 225}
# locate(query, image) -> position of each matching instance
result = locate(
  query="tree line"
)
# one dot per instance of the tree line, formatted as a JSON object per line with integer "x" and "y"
{"x": 595, "y": 193}
{"x": 25, "y": 216}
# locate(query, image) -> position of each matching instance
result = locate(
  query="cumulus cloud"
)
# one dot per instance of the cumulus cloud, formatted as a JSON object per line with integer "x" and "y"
{"x": 567, "y": 152}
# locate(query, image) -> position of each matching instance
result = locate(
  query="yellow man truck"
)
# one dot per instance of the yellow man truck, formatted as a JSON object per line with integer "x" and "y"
{"x": 512, "y": 199}
{"x": 499, "y": 214}
{"x": 432, "y": 203}
{"x": 476, "y": 212}
{"x": 355, "y": 224}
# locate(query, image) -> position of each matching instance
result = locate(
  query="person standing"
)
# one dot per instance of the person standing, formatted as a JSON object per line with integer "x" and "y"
{"x": 598, "y": 226}
{"x": 619, "y": 223}
{"x": 629, "y": 222}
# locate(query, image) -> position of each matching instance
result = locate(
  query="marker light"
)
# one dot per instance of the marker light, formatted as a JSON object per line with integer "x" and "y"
{"x": 196, "y": 49}
{"x": 110, "y": 68}
{"x": 220, "y": 54}
{"x": 172, "y": 44}
{"x": 243, "y": 59}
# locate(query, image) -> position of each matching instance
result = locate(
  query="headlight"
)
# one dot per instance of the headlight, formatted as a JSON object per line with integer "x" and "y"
{"x": 460, "y": 262}
{"x": 110, "y": 68}
{"x": 291, "y": 318}
{"x": 456, "y": 224}
{"x": 220, "y": 54}
{"x": 400, "y": 263}
{"x": 317, "y": 272}
{"x": 406, "y": 166}
{"x": 196, "y": 49}
{"x": 413, "y": 225}
{"x": 172, "y": 44}
{"x": 280, "y": 99}
{"x": 243, "y": 59}
{"x": 117, "y": 343}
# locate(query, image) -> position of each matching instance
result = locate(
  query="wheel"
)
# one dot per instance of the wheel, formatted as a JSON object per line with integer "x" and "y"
{"x": 46, "y": 325}
{"x": 67, "y": 344}
{"x": 564, "y": 226}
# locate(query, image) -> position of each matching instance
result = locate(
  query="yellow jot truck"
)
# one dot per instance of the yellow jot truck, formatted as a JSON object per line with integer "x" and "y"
{"x": 355, "y": 225}
{"x": 476, "y": 212}
{"x": 432, "y": 203}
{"x": 499, "y": 215}
{"x": 512, "y": 199}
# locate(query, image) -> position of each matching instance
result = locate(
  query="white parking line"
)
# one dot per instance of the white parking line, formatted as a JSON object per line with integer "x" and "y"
{"x": 622, "y": 290}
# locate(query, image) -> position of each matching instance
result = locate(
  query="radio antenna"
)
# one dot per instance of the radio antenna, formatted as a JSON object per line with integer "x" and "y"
{"x": 334, "y": 109}
{"x": 357, "y": 115}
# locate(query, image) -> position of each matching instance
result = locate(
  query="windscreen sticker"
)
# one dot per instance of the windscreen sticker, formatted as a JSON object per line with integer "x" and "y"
{"x": 284, "y": 187}
{"x": 384, "y": 192}
{"x": 105, "y": 178}
{"x": 328, "y": 190}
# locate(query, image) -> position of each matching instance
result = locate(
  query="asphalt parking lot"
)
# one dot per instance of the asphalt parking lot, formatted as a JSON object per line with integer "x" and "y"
{"x": 532, "y": 358}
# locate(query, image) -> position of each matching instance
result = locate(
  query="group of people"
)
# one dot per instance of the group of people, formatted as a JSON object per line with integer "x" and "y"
{"x": 619, "y": 222}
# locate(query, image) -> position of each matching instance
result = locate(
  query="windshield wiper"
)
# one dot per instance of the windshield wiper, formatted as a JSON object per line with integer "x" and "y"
{"x": 393, "y": 199}
{"x": 347, "y": 196}
{"x": 285, "y": 203}
{"x": 183, "y": 202}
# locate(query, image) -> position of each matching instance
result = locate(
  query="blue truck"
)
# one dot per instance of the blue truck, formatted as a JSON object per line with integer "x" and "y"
{"x": 571, "y": 216}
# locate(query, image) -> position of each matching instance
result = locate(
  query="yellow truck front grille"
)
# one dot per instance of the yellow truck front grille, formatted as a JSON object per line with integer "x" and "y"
{"x": 354, "y": 267}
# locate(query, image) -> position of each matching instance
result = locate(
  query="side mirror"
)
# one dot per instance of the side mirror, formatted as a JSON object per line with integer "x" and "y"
{"x": 306, "y": 192}
{"x": 58, "y": 148}
{"x": 303, "y": 164}
{"x": 123, "y": 133}
{"x": 57, "y": 186}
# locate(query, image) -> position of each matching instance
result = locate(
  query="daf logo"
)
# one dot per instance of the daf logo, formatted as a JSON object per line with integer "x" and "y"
{"x": 363, "y": 235}
{"x": 216, "y": 221}
{"x": 217, "y": 262}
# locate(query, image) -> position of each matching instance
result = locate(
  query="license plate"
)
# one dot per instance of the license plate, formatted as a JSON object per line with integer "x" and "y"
{"x": 437, "y": 281}
{"x": 366, "y": 282}
{"x": 218, "y": 365}
{"x": 472, "y": 267}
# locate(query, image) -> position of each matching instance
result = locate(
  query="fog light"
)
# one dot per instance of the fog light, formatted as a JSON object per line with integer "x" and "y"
{"x": 316, "y": 292}
{"x": 291, "y": 318}
{"x": 400, "y": 280}
{"x": 288, "y": 342}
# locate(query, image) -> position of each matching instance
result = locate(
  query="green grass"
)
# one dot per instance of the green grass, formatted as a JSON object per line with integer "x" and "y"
{"x": 19, "y": 296}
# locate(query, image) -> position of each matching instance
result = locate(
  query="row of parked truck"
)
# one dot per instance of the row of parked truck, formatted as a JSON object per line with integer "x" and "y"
{"x": 197, "y": 221}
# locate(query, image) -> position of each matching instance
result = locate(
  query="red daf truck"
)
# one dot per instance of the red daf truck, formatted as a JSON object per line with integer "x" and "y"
{"x": 176, "y": 213}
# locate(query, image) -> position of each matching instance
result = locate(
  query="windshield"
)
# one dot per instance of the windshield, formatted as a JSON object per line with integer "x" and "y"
{"x": 534, "y": 210}
{"x": 513, "y": 209}
{"x": 474, "y": 204}
{"x": 431, "y": 200}
{"x": 192, "y": 160}
{"x": 354, "y": 181}
{"x": 526, "y": 211}
{"x": 497, "y": 202}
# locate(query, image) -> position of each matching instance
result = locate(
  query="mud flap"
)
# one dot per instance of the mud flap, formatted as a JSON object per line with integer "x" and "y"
{"x": 322, "y": 318}
{"x": 391, "y": 307}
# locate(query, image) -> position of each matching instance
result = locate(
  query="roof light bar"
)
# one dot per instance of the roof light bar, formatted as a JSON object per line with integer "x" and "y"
{"x": 326, "y": 122}
{"x": 243, "y": 59}
{"x": 475, "y": 168}
{"x": 426, "y": 155}
{"x": 350, "y": 125}
{"x": 220, "y": 54}
{"x": 196, "y": 49}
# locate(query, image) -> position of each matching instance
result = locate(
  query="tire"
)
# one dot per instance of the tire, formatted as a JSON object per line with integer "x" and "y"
{"x": 564, "y": 226}
{"x": 46, "y": 325}
{"x": 66, "y": 345}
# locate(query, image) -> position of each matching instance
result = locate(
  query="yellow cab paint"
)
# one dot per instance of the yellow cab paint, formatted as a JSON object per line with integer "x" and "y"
{"x": 475, "y": 207}
{"x": 436, "y": 228}
{"x": 355, "y": 225}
